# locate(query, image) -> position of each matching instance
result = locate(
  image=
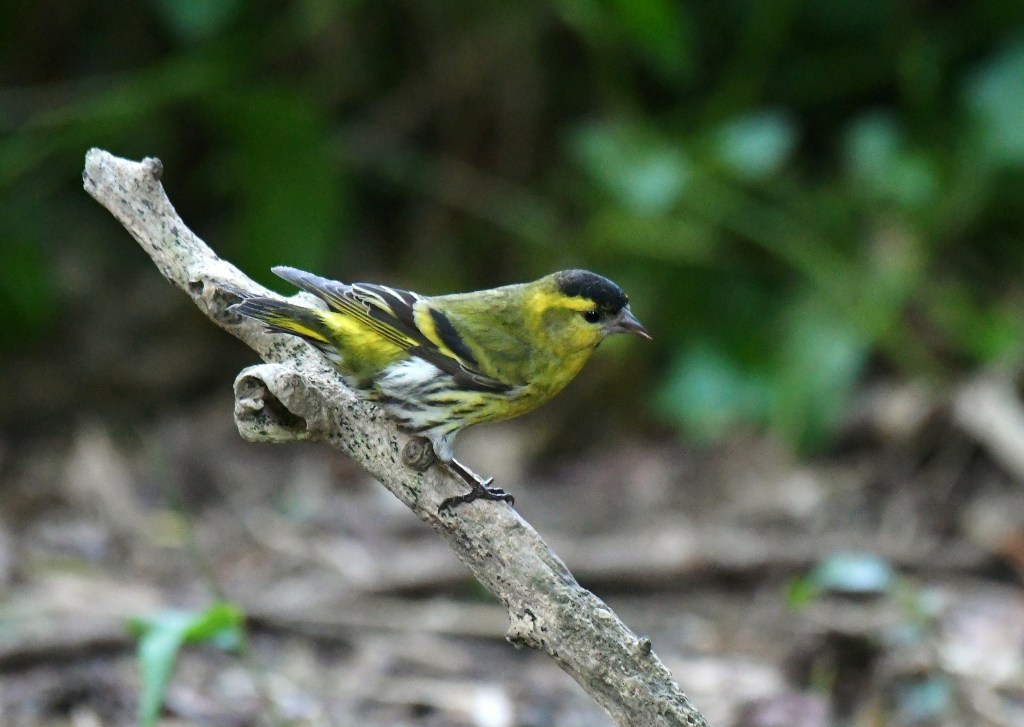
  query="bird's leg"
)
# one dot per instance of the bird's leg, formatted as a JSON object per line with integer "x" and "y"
{"x": 480, "y": 489}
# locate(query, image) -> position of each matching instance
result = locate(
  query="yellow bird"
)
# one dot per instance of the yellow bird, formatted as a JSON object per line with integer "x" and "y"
{"x": 439, "y": 364}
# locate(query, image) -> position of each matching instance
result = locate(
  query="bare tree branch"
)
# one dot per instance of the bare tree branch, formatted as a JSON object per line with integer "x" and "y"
{"x": 297, "y": 395}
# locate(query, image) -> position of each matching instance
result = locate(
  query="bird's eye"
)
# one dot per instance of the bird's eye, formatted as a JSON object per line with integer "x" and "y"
{"x": 592, "y": 316}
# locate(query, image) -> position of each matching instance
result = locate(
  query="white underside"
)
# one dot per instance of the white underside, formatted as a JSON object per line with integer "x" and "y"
{"x": 415, "y": 380}
{"x": 407, "y": 376}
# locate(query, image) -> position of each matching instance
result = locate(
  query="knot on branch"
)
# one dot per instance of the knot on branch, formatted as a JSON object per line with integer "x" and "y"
{"x": 153, "y": 167}
{"x": 262, "y": 411}
{"x": 418, "y": 454}
{"x": 523, "y": 630}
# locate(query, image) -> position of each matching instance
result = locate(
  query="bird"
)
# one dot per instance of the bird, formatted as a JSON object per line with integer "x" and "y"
{"x": 440, "y": 364}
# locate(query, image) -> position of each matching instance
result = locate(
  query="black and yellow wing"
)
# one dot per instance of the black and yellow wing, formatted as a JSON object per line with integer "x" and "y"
{"x": 403, "y": 318}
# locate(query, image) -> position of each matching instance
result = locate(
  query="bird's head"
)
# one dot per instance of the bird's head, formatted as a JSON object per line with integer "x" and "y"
{"x": 579, "y": 309}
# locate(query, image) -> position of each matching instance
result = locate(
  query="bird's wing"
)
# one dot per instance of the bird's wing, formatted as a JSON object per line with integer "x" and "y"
{"x": 430, "y": 334}
{"x": 392, "y": 314}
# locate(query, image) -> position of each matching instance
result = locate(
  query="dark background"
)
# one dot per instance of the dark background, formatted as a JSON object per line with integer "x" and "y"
{"x": 815, "y": 208}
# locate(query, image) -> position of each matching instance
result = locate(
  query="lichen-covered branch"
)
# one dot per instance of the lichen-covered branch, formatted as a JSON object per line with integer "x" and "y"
{"x": 296, "y": 395}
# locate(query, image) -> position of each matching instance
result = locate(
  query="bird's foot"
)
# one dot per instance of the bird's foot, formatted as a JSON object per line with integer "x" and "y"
{"x": 479, "y": 489}
{"x": 479, "y": 492}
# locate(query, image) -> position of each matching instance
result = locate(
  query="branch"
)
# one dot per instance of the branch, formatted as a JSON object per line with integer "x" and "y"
{"x": 296, "y": 395}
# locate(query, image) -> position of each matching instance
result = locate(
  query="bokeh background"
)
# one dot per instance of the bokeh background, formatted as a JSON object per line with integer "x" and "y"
{"x": 807, "y": 488}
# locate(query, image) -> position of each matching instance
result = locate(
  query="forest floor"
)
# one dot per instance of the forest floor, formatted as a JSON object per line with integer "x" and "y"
{"x": 880, "y": 584}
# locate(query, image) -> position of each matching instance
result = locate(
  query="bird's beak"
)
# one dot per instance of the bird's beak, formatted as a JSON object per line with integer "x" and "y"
{"x": 627, "y": 323}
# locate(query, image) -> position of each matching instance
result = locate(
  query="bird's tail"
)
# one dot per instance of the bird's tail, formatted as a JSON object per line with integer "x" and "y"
{"x": 329, "y": 291}
{"x": 306, "y": 323}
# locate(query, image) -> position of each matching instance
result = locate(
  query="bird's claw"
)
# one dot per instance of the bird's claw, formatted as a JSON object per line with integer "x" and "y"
{"x": 479, "y": 492}
{"x": 479, "y": 489}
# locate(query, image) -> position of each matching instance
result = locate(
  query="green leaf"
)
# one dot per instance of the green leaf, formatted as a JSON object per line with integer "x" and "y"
{"x": 820, "y": 360}
{"x": 845, "y": 572}
{"x": 853, "y": 572}
{"x": 709, "y": 396}
{"x": 872, "y": 142}
{"x": 989, "y": 333}
{"x": 644, "y": 173}
{"x": 883, "y": 168}
{"x": 195, "y": 20}
{"x": 758, "y": 144}
{"x": 927, "y": 701}
{"x": 800, "y": 592}
{"x": 995, "y": 96}
{"x": 661, "y": 30}
{"x": 161, "y": 637}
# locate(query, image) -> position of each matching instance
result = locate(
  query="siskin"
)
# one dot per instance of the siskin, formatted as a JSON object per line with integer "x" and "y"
{"x": 442, "y": 363}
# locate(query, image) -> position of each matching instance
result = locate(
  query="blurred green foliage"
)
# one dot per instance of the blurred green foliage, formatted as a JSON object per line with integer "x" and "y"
{"x": 795, "y": 194}
{"x": 161, "y": 637}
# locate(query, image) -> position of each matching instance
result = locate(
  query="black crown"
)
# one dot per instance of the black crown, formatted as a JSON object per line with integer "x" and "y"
{"x": 584, "y": 284}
